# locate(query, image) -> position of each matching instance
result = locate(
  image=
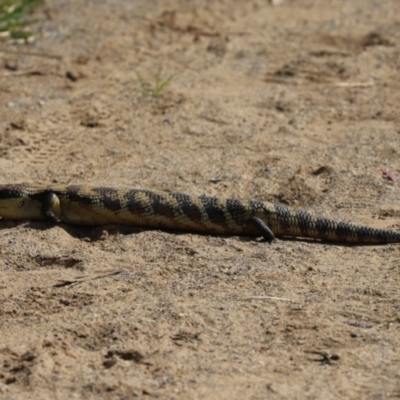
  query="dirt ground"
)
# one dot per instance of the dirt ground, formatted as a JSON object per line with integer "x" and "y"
{"x": 295, "y": 102}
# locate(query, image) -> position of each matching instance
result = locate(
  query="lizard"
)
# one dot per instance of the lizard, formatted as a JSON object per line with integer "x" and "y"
{"x": 96, "y": 206}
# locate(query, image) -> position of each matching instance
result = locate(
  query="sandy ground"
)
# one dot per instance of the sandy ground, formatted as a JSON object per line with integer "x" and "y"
{"x": 296, "y": 103}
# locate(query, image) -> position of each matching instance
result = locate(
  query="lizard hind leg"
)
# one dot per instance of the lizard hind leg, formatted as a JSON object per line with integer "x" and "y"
{"x": 263, "y": 229}
{"x": 51, "y": 207}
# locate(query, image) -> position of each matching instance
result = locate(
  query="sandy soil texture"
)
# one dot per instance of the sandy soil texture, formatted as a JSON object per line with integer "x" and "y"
{"x": 295, "y": 102}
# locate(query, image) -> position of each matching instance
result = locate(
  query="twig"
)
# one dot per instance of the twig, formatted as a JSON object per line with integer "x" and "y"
{"x": 325, "y": 357}
{"x": 194, "y": 30}
{"x": 354, "y": 84}
{"x": 269, "y": 298}
{"x": 33, "y": 71}
{"x": 81, "y": 279}
{"x": 32, "y": 53}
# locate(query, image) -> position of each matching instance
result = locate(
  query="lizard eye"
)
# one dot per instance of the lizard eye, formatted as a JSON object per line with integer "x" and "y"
{"x": 21, "y": 203}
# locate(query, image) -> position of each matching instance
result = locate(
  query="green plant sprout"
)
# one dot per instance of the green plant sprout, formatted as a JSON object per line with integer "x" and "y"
{"x": 14, "y": 17}
{"x": 159, "y": 86}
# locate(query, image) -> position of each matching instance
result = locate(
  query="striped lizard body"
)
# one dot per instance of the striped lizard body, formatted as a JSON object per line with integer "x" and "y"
{"x": 84, "y": 205}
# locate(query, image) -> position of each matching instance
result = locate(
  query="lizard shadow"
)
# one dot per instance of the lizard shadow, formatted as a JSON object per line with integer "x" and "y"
{"x": 85, "y": 232}
{"x": 327, "y": 243}
{"x": 96, "y": 233}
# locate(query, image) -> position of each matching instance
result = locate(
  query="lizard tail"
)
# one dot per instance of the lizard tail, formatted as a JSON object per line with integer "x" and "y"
{"x": 287, "y": 222}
